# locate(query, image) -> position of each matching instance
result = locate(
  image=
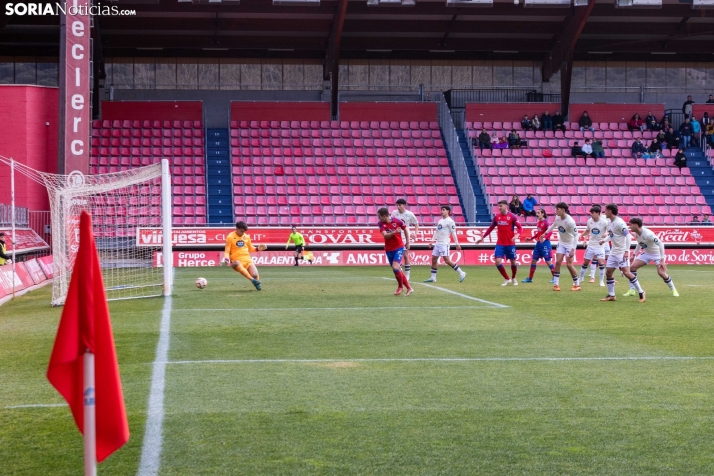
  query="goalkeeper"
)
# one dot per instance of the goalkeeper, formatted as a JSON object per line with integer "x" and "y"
{"x": 237, "y": 254}
{"x": 299, "y": 241}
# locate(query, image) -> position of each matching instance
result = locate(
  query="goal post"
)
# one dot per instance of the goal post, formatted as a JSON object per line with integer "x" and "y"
{"x": 119, "y": 203}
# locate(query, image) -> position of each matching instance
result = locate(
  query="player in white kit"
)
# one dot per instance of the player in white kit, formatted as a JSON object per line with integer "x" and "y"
{"x": 445, "y": 229}
{"x": 652, "y": 252}
{"x": 596, "y": 230}
{"x": 620, "y": 253}
{"x": 567, "y": 243}
{"x": 409, "y": 220}
{"x": 600, "y": 263}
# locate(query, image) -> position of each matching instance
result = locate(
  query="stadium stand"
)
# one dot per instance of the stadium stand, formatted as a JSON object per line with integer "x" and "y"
{"x": 650, "y": 188}
{"x": 291, "y": 163}
{"x": 135, "y": 134}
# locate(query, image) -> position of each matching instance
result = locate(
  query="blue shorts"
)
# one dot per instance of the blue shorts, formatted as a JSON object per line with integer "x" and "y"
{"x": 508, "y": 252}
{"x": 395, "y": 255}
{"x": 542, "y": 250}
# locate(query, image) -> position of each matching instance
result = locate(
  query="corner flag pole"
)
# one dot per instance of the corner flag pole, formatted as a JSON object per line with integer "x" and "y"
{"x": 90, "y": 422}
{"x": 12, "y": 220}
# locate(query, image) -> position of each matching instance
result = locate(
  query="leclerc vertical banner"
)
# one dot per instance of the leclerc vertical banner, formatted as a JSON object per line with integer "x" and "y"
{"x": 76, "y": 95}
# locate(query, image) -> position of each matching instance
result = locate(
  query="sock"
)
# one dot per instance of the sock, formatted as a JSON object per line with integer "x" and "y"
{"x": 456, "y": 268}
{"x": 632, "y": 286}
{"x": 552, "y": 269}
{"x": 514, "y": 270}
{"x": 610, "y": 287}
{"x": 433, "y": 273}
{"x": 575, "y": 279}
{"x": 296, "y": 260}
{"x": 244, "y": 272}
{"x": 668, "y": 282}
{"x": 502, "y": 270}
{"x": 398, "y": 275}
{"x": 583, "y": 270}
{"x": 556, "y": 278}
{"x": 407, "y": 269}
{"x": 636, "y": 284}
{"x": 602, "y": 273}
{"x": 533, "y": 270}
{"x": 593, "y": 265}
{"x": 405, "y": 281}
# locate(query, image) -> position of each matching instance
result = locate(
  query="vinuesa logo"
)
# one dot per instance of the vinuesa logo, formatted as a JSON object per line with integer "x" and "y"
{"x": 66, "y": 8}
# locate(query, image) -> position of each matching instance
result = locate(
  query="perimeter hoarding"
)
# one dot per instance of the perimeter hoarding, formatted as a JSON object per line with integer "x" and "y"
{"x": 341, "y": 237}
{"x": 418, "y": 257}
{"x": 24, "y": 241}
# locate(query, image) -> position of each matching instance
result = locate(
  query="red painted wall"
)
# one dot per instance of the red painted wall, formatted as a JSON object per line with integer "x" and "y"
{"x": 153, "y": 110}
{"x": 389, "y": 111}
{"x": 26, "y": 137}
{"x": 280, "y": 111}
{"x": 614, "y": 112}
{"x": 700, "y": 109}
{"x": 500, "y": 112}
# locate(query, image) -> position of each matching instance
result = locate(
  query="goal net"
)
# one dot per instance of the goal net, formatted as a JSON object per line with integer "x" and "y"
{"x": 119, "y": 203}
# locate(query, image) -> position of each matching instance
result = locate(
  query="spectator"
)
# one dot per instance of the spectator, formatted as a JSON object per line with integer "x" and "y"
{"x": 651, "y": 122}
{"x": 695, "y": 221}
{"x": 529, "y": 205}
{"x": 662, "y": 139}
{"x": 706, "y": 221}
{"x": 546, "y": 121}
{"x": 636, "y": 123}
{"x": 672, "y": 138}
{"x": 516, "y": 206}
{"x": 708, "y": 139}
{"x": 680, "y": 160}
{"x": 655, "y": 148}
{"x": 686, "y": 131}
{"x": 484, "y": 140}
{"x": 587, "y": 148}
{"x": 707, "y": 123}
{"x": 687, "y": 107}
{"x": 586, "y": 122}
{"x": 638, "y": 149}
{"x": 526, "y": 123}
{"x": 665, "y": 123}
{"x": 558, "y": 121}
{"x": 514, "y": 140}
{"x": 696, "y": 128}
{"x": 4, "y": 257}
{"x": 536, "y": 123}
{"x": 501, "y": 144}
{"x": 598, "y": 150}
{"x": 711, "y": 99}
{"x": 576, "y": 150}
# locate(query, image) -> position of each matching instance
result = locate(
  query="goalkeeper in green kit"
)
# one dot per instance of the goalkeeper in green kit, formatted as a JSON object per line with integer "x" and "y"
{"x": 299, "y": 241}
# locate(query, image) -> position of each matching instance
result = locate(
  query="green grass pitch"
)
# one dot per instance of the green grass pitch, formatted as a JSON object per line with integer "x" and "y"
{"x": 326, "y": 372}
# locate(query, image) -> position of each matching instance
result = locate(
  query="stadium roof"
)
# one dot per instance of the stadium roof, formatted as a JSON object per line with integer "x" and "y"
{"x": 427, "y": 30}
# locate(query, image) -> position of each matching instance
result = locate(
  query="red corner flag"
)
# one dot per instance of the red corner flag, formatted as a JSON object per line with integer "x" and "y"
{"x": 85, "y": 327}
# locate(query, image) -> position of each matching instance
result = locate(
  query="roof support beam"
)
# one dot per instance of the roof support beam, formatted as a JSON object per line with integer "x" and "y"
{"x": 331, "y": 68}
{"x": 99, "y": 71}
{"x": 566, "y": 76}
{"x": 564, "y": 44}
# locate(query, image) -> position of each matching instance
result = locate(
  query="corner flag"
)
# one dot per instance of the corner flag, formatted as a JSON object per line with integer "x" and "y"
{"x": 85, "y": 331}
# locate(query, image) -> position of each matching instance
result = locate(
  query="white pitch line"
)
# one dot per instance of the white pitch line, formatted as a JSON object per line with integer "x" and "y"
{"x": 153, "y": 434}
{"x": 38, "y": 405}
{"x": 332, "y": 308}
{"x": 444, "y": 359}
{"x": 465, "y": 296}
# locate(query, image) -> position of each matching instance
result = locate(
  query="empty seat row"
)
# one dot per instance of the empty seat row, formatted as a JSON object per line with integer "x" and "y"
{"x": 147, "y": 133}
{"x": 146, "y": 124}
{"x": 343, "y": 161}
{"x": 295, "y": 143}
{"x": 333, "y": 125}
{"x": 334, "y": 134}
{"x": 343, "y": 192}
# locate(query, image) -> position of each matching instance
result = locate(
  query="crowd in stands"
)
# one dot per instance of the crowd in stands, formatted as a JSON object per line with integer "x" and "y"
{"x": 668, "y": 138}
{"x": 526, "y": 208}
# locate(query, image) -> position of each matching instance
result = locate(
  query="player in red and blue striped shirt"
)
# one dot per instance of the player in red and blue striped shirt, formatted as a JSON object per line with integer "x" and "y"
{"x": 391, "y": 229}
{"x": 508, "y": 230}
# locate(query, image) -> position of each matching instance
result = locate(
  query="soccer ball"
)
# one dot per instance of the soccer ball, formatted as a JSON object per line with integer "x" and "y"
{"x": 201, "y": 283}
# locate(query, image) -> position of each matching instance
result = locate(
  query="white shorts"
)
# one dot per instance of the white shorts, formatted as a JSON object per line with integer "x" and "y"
{"x": 594, "y": 252}
{"x": 563, "y": 249}
{"x": 440, "y": 250}
{"x": 648, "y": 258}
{"x": 617, "y": 261}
